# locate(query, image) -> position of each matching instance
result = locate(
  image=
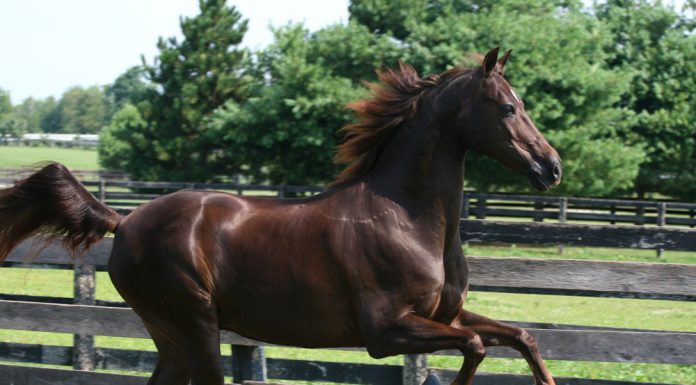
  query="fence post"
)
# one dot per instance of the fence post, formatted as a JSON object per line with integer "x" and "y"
{"x": 692, "y": 215}
{"x": 415, "y": 369}
{"x": 248, "y": 363}
{"x": 464, "y": 216}
{"x": 612, "y": 211}
{"x": 465, "y": 207}
{"x": 84, "y": 290}
{"x": 661, "y": 221}
{"x": 562, "y": 217}
{"x": 102, "y": 190}
{"x": 480, "y": 207}
{"x": 640, "y": 213}
{"x": 281, "y": 191}
{"x": 538, "y": 211}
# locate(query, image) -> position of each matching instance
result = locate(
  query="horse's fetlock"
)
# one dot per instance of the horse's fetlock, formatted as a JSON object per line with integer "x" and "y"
{"x": 526, "y": 339}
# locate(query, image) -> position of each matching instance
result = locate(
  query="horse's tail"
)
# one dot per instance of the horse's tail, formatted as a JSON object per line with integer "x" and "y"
{"x": 53, "y": 202}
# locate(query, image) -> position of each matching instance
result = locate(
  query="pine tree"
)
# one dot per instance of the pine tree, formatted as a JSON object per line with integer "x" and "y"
{"x": 191, "y": 79}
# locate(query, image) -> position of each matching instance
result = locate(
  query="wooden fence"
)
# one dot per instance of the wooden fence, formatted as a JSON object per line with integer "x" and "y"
{"x": 114, "y": 189}
{"x": 85, "y": 317}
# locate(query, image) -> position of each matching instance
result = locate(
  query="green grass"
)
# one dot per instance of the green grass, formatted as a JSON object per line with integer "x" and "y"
{"x": 583, "y": 253}
{"x": 73, "y": 158}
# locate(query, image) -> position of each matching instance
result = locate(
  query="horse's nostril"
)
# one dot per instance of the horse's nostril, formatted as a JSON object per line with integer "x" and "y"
{"x": 556, "y": 170}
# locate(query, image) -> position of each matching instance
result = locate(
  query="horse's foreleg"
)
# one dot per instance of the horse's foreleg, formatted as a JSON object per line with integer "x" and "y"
{"x": 412, "y": 334}
{"x": 494, "y": 333}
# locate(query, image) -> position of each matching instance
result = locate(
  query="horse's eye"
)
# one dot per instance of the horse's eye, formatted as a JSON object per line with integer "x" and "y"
{"x": 508, "y": 110}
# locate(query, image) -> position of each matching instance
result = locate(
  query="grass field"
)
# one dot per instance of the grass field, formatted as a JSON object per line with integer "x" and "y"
{"x": 625, "y": 313}
{"x": 73, "y": 158}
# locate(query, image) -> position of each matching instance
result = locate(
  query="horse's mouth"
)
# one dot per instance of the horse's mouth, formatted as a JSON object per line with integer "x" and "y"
{"x": 542, "y": 183}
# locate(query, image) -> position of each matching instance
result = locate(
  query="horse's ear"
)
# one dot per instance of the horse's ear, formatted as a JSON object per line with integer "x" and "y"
{"x": 490, "y": 61}
{"x": 504, "y": 60}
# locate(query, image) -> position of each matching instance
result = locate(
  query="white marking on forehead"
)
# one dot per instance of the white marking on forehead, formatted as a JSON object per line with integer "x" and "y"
{"x": 515, "y": 95}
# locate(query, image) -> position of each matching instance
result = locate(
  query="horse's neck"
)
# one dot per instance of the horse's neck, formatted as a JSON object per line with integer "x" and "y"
{"x": 422, "y": 169}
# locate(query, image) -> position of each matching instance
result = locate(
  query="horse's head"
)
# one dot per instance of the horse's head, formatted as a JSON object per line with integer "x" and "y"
{"x": 497, "y": 125}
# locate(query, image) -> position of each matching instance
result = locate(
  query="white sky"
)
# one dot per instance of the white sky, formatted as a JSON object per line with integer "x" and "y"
{"x": 48, "y": 46}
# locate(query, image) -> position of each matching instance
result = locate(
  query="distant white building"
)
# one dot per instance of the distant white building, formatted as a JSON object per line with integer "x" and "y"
{"x": 66, "y": 139}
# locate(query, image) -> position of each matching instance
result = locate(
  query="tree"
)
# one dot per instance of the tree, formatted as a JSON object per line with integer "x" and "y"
{"x": 121, "y": 142}
{"x": 286, "y": 132}
{"x": 130, "y": 87}
{"x": 5, "y": 103}
{"x": 657, "y": 46}
{"x": 190, "y": 79}
{"x": 10, "y": 126}
{"x": 38, "y": 114}
{"x": 83, "y": 110}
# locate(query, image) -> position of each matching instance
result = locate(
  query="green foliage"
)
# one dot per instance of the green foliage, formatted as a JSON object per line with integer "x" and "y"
{"x": 121, "y": 142}
{"x": 10, "y": 126}
{"x": 657, "y": 46}
{"x": 83, "y": 110}
{"x": 171, "y": 137}
{"x": 130, "y": 87}
{"x": 285, "y": 132}
{"x": 40, "y": 115}
{"x": 5, "y": 103}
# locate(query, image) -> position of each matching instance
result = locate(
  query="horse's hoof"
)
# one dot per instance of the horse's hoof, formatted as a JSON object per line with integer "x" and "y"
{"x": 432, "y": 380}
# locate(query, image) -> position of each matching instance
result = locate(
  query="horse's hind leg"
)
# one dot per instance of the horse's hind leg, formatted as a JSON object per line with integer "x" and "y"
{"x": 189, "y": 345}
{"x": 494, "y": 333}
{"x": 171, "y": 367}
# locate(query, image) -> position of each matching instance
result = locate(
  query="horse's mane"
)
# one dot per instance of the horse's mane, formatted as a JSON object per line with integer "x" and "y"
{"x": 394, "y": 99}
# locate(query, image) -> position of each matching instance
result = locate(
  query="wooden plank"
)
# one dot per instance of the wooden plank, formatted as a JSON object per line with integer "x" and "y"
{"x": 446, "y": 376}
{"x": 117, "y": 359}
{"x": 94, "y": 320}
{"x": 30, "y": 251}
{"x": 608, "y": 346}
{"x": 364, "y": 374}
{"x": 36, "y": 354}
{"x": 22, "y": 375}
{"x": 578, "y": 235}
{"x": 598, "y": 276}
{"x": 590, "y": 345}
{"x": 594, "y": 277}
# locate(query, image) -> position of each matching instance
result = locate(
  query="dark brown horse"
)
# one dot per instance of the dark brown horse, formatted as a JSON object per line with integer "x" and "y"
{"x": 375, "y": 261}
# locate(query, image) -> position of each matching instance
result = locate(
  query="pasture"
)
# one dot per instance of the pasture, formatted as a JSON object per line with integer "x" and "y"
{"x": 73, "y": 158}
{"x": 623, "y": 313}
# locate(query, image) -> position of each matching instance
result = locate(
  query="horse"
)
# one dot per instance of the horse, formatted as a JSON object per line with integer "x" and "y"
{"x": 374, "y": 261}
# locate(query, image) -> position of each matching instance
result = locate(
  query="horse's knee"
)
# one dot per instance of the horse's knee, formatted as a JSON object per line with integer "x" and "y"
{"x": 475, "y": 348}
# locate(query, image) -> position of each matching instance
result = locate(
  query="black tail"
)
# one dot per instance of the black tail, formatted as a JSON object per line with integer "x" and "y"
{"x": 53, "y": 202}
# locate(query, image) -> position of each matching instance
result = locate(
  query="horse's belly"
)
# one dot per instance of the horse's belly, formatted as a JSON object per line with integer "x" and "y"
{"x": 288, "y": 298}
{"x": 307, "y": 320}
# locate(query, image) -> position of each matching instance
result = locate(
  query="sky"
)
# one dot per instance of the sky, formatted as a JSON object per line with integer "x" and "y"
{"x": 48, "y": 46}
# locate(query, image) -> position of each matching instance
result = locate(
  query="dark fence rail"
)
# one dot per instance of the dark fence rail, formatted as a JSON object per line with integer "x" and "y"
{"x": 514, "y": 275}
{"x": 114, "y": 189}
